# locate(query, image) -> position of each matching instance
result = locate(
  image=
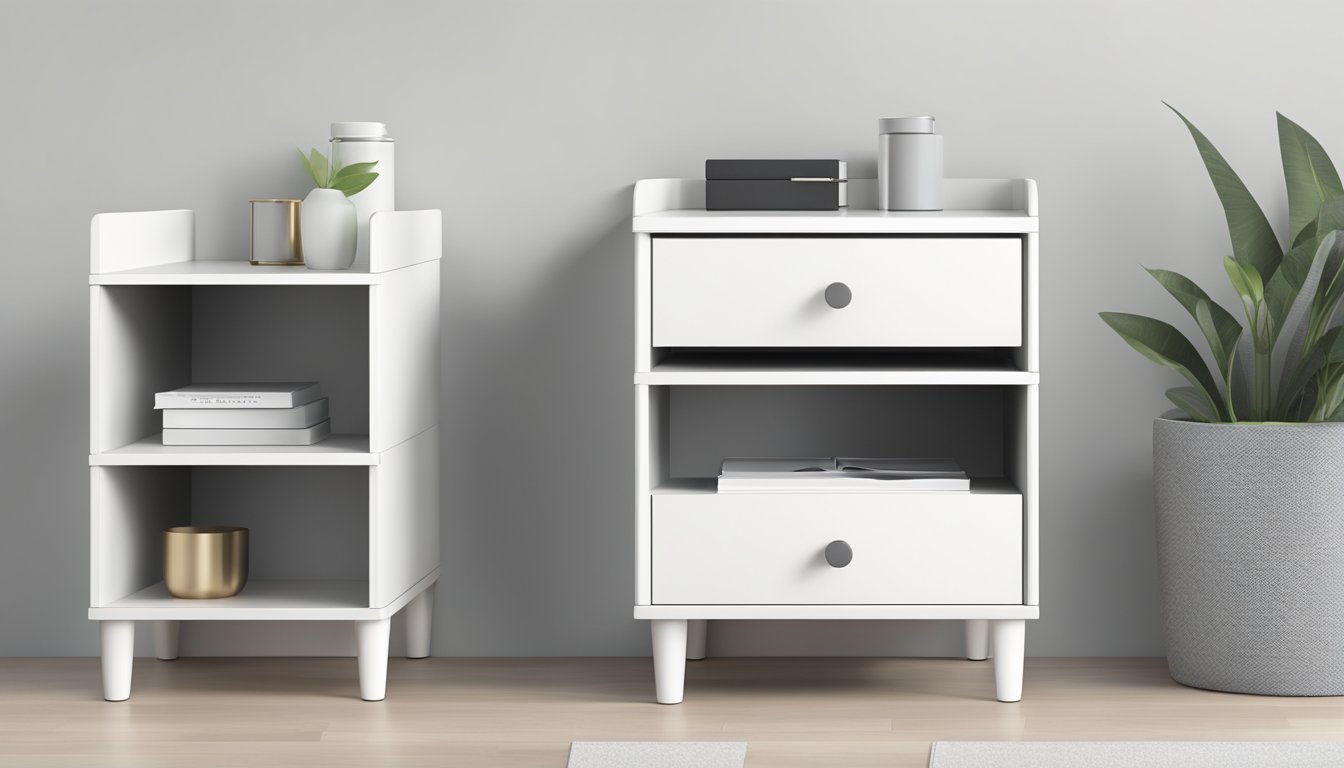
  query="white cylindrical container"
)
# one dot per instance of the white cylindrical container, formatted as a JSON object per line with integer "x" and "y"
{"x": 363, "y": 143}
{"x": 909, "y": 165}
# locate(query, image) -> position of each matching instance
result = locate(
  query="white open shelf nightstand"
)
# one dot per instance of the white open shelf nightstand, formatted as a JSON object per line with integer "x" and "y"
{"x": 160, "y": 319}
{"x": 940, "y": 313}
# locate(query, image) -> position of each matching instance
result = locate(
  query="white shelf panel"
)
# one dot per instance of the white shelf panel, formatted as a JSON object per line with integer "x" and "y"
{"x": 837, "y": 612}
{"x": 681, "y": 486}
{"x": 259, "y": 600}
{"x": 826, "y": 373}
{"x": 849, "y": 220}
{"x": 263, "y": 600}
{"x": 234, "y": 273}
{"x": 337, "y": 450}
{"x": 971, "y": 206}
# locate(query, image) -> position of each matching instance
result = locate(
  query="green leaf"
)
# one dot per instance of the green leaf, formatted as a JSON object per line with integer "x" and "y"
{"x": 320, "y": 169}
{"x": 1246, "y": 281}
{"x": 1308, "y": 234}
{"x": 1338, "y": 415}
{"x": 1282, "y": 289}
{"x": 1331, "y": 396}
{"x": 1253, "y": 240}
{"x": 1330, "y": 288}
{"x": 354, "y": 184}
{"x": 1328, "y": 351}
{"x": 1164, "y": 345}
{"x": 1330, "y": 217}
{"x": 1309, "y": 174}
{"x": 1194, "y": 402}
{"x": 308, "y": 166}
{"x": 1220, "y": 328}
{"x": 352, "y": 169}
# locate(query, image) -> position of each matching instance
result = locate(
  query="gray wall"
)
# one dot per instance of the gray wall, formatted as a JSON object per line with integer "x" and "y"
{"x": 527, "y": 122}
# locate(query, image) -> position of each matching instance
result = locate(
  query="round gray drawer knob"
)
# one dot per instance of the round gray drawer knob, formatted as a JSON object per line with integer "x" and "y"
{"x": 839, "y": 554}
{"x": 838, "y": 295}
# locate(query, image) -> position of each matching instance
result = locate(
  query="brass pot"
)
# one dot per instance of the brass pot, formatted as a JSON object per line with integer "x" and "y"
{"x": 204, "y": 561}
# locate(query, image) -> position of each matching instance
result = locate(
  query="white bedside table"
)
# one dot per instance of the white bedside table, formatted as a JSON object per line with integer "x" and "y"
{"x": 152, "y": 308}
{"x": 910, "y": 302}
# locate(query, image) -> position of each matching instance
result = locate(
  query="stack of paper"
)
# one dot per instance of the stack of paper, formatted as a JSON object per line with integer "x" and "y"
{"x": 278, "y": 413}
{"x": 831, "y": 475}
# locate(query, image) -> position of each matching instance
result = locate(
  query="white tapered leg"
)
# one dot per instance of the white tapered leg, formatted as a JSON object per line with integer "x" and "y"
{"x": 118, "y": 639}
{"x": 669, "y": 659}
{"x": 371, "y": 645}
{"x": 165, "y": 639}
{"x": 419, "y": 622}
{"x": 977, "y": 639}
{"x": 1010, "y": 645}
{"x": 696, "y": 632}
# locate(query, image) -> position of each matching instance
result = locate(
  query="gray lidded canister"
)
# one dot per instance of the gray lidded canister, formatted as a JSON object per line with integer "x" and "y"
{"x": 909, "y": 165}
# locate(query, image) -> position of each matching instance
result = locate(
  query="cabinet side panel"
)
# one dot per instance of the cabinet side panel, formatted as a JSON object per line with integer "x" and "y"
{"x": 1022, "y": 449}
{"x": 1033, "y": 495}
{"x": 138, "y": 239}
{"x": 1028, "y": 356}
{"x": 643, "y": 303}
{"x": 403, "y": 517}
{"x": 129, "y": 508}
{"x": 651, "y": 465}
{"x": 401, "y": 238}
{"x": 403, "y": 355}
{"x": 139, "y": 344}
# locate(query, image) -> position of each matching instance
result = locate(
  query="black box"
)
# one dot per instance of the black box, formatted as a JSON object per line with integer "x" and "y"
{"x": 775, "y": 185}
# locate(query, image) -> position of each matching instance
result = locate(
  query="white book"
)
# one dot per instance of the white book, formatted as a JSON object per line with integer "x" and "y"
{"x": 280, "y": 394}
{"x": 307, "y": 436}
{"x": 840, "y": 475}
{"x": 298, "y": 417}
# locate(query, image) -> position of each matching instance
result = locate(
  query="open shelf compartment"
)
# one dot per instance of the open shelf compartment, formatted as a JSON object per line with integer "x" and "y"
{"x": 686, "y": 432}
{"x": 159, "y": 248}
{"x": 322, "y": 538}
{"x": 148, "y": 339}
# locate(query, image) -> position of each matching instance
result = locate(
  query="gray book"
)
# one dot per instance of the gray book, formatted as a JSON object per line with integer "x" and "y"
{"x": 278, "y": 394}
{"x": 298, "y": 417}
{"x": 225, "y": 437}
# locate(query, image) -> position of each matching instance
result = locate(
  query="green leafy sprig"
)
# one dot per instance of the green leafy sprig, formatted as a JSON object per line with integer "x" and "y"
{"x": 350, "y": 179}
{"x": 1268, "y": 280}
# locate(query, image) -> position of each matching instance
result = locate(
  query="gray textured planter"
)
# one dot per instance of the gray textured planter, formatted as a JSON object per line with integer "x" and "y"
{"x": 1250, "y": 544}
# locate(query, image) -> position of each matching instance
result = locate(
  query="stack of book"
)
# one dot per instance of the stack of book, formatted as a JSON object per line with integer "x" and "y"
{"x": 281, "y": 413}
{"x": 841, "y": 475}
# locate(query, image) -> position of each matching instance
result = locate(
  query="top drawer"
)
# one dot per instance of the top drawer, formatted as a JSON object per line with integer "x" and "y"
{"x": 772, "y": 292}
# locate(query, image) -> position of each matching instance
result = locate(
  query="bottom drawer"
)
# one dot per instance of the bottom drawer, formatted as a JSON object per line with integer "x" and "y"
{"x": 768, "y": 548}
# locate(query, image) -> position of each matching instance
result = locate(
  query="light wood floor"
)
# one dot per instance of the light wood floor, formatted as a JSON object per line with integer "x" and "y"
{"x": 524, "y": 712}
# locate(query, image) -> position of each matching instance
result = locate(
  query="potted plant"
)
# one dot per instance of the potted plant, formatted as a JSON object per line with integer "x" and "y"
{"x": 327, "y": 218}
{"x": 1248, "y": 473}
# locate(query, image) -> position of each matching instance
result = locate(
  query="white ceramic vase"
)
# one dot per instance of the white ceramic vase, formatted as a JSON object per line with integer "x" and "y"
{"x": 328, "y": 223}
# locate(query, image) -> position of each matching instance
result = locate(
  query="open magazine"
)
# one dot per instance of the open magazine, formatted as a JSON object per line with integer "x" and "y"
{"x": 839, "y": 474}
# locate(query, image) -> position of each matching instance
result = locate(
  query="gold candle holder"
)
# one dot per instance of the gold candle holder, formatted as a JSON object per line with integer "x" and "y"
{"x": 276, "y": 238}
{"x": 204, "y": 561}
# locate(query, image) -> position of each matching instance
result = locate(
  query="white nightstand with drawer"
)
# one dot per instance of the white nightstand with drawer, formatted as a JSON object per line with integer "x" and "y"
{"x": 937, "y": 309}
